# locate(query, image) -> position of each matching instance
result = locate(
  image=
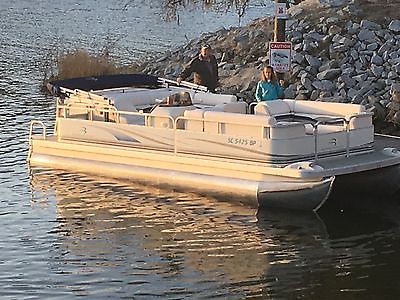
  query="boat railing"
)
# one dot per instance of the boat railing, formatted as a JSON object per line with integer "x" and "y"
{"x": 347, "y": 122}
{"x": 175, "y": 123}
{"x": 90, "y": 108}
{"x": 252, "y": 106}
{"x": 330, "y": 121}
{"x": 31, "y": 128}
{"x": 37, "y": 122}
{"x": 86, "y": 96}
{"x": 184, "y": 84}
{"x": 220, "y": 125}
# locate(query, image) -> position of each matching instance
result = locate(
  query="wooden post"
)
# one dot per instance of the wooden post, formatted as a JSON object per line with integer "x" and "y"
{"x": 279, "y": 30}
{"x": 280, "y": 25}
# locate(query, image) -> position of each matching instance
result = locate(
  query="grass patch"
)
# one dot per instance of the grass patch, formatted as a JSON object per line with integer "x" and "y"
{"x": 79, "y": 63}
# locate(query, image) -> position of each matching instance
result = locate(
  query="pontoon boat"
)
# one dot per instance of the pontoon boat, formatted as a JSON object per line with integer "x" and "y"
{"x": 288, "y": 153}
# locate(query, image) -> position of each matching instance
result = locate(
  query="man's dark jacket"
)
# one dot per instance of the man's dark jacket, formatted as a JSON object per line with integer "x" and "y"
{"x": 205, "y": 72}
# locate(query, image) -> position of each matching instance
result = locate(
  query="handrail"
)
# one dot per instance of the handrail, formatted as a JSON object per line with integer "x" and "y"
{"x": 86, "y": 95}
{"x": 174, "y": 122}
{"x": 184, "y": 83}
{"x": 90, "y": 109}
{"x": 254, "y": 103}
{"x": 32, "y": 123}
{"x": 348, "y": 121}
{"x": 326, "y": 121}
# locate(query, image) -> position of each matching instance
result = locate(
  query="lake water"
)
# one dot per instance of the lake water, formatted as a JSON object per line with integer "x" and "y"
{"x": 66, "y": 235}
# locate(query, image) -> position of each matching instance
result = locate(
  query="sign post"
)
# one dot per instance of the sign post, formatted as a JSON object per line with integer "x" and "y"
{"x": 280, "y": 30}
{"x": 280, "y": 20}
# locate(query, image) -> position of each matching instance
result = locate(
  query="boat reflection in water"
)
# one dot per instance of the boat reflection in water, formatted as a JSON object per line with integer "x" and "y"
{"x": 115, "y": 238}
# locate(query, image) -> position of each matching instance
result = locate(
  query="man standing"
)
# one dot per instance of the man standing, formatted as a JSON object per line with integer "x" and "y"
{"x": 205, "y": 69}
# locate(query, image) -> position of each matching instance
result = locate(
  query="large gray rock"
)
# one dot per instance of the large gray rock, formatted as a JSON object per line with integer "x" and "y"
{"x": 333, "y": 3}
{"x": 307, "y": 83}
{"x": 384, "y": 47}
{"x": 397, "y": 68}
{"x": 313, "y": 36}
{"x": 366, "y": 35}
{"x": 366, "y": 24}
{"x": 298, "y": 58}
{"x": 377, "y": 70}
{"x": 395, "y": 26}
{"x": 376, "y": 59}
{"x": 347, "y": 80}
{"x": 361, "y": 77}
{"x": 329, "y": 74}
{"x": 327, "y": 85}
{"x": 312, "y": 61}
{"x": 332, "y": 64}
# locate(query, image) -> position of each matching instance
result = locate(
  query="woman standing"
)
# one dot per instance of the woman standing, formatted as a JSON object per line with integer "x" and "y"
{"x": 268, "y": 87}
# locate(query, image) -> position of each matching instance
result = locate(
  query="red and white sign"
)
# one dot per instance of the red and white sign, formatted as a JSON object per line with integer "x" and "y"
{"x": 280, "y": 56}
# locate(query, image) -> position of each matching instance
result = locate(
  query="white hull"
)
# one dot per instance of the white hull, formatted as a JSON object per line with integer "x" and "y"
{"x": 222, "y": 179}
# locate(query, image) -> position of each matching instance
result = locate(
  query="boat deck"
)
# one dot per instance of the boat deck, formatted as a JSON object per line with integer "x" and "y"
{"x": 358, "y": 163}
{"x": 384, "y": 141}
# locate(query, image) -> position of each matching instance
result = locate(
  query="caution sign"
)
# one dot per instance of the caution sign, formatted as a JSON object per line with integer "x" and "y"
{"x": 280, "y": 56}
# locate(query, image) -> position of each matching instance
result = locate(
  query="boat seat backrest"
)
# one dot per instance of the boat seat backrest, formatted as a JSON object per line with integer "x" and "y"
{"x": 280, "y": 107}
{"x": 239, "y": 107}
{"x": 237, "y": 124}
{"x": 272, "y": 108}
{"x": 212, "y": 99}
{"x": 357, "y": 115}
{"x": 287, "y": 130}
{"x": 128, "y": 100}
{"x": 327, "y": 108}
{"x": 163, "y": 116}
{"x": 194, "y": 119}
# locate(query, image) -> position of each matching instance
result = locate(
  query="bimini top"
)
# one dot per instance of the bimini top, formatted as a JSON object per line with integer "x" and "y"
{"x": 103, "y": 82}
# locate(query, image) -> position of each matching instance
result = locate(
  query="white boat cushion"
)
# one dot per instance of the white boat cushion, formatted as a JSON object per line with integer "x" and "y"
{"x": 272, "y": 108}
{"x": 129, "y": 99}
{"x": 194, "y": 120}
{"x": 212, "y": 99}
{"x": 163, "y": 116}
{"x": 361, "y": 121}
{"x": 287, "y": 130}
{"x": 281, "y": 107}
{"x": 356, "y": 114}
{"x": 327, "y": 108}
{"x": 237, "y": 124}
{"x": 322, "y": 129}
{"x": 233, "y": 107}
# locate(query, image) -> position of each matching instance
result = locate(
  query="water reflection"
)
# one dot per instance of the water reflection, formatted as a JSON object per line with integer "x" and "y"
{"x": 144, "y": 236}
{"x": 118, "y": 237}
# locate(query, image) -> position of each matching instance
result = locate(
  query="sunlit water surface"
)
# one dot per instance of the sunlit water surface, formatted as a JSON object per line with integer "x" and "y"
{"x": 65, "y": 235}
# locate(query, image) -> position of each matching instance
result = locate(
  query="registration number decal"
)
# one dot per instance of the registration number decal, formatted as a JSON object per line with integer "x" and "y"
{"x": 239, "y": 141}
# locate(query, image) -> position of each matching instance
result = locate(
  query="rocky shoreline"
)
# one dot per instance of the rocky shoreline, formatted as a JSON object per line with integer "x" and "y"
{"x": 339, "y": 54}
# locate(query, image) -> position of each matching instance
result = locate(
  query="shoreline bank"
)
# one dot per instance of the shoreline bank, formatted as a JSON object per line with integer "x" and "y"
{"x": 341, "y": 53}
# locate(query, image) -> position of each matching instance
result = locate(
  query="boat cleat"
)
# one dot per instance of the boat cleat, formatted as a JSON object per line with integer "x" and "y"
{"x": 305, "y": 166}
{"x": 391, "y": 152}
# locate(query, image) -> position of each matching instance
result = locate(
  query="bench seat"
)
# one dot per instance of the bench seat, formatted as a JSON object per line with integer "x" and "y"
{"x": 353, "y": 113}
